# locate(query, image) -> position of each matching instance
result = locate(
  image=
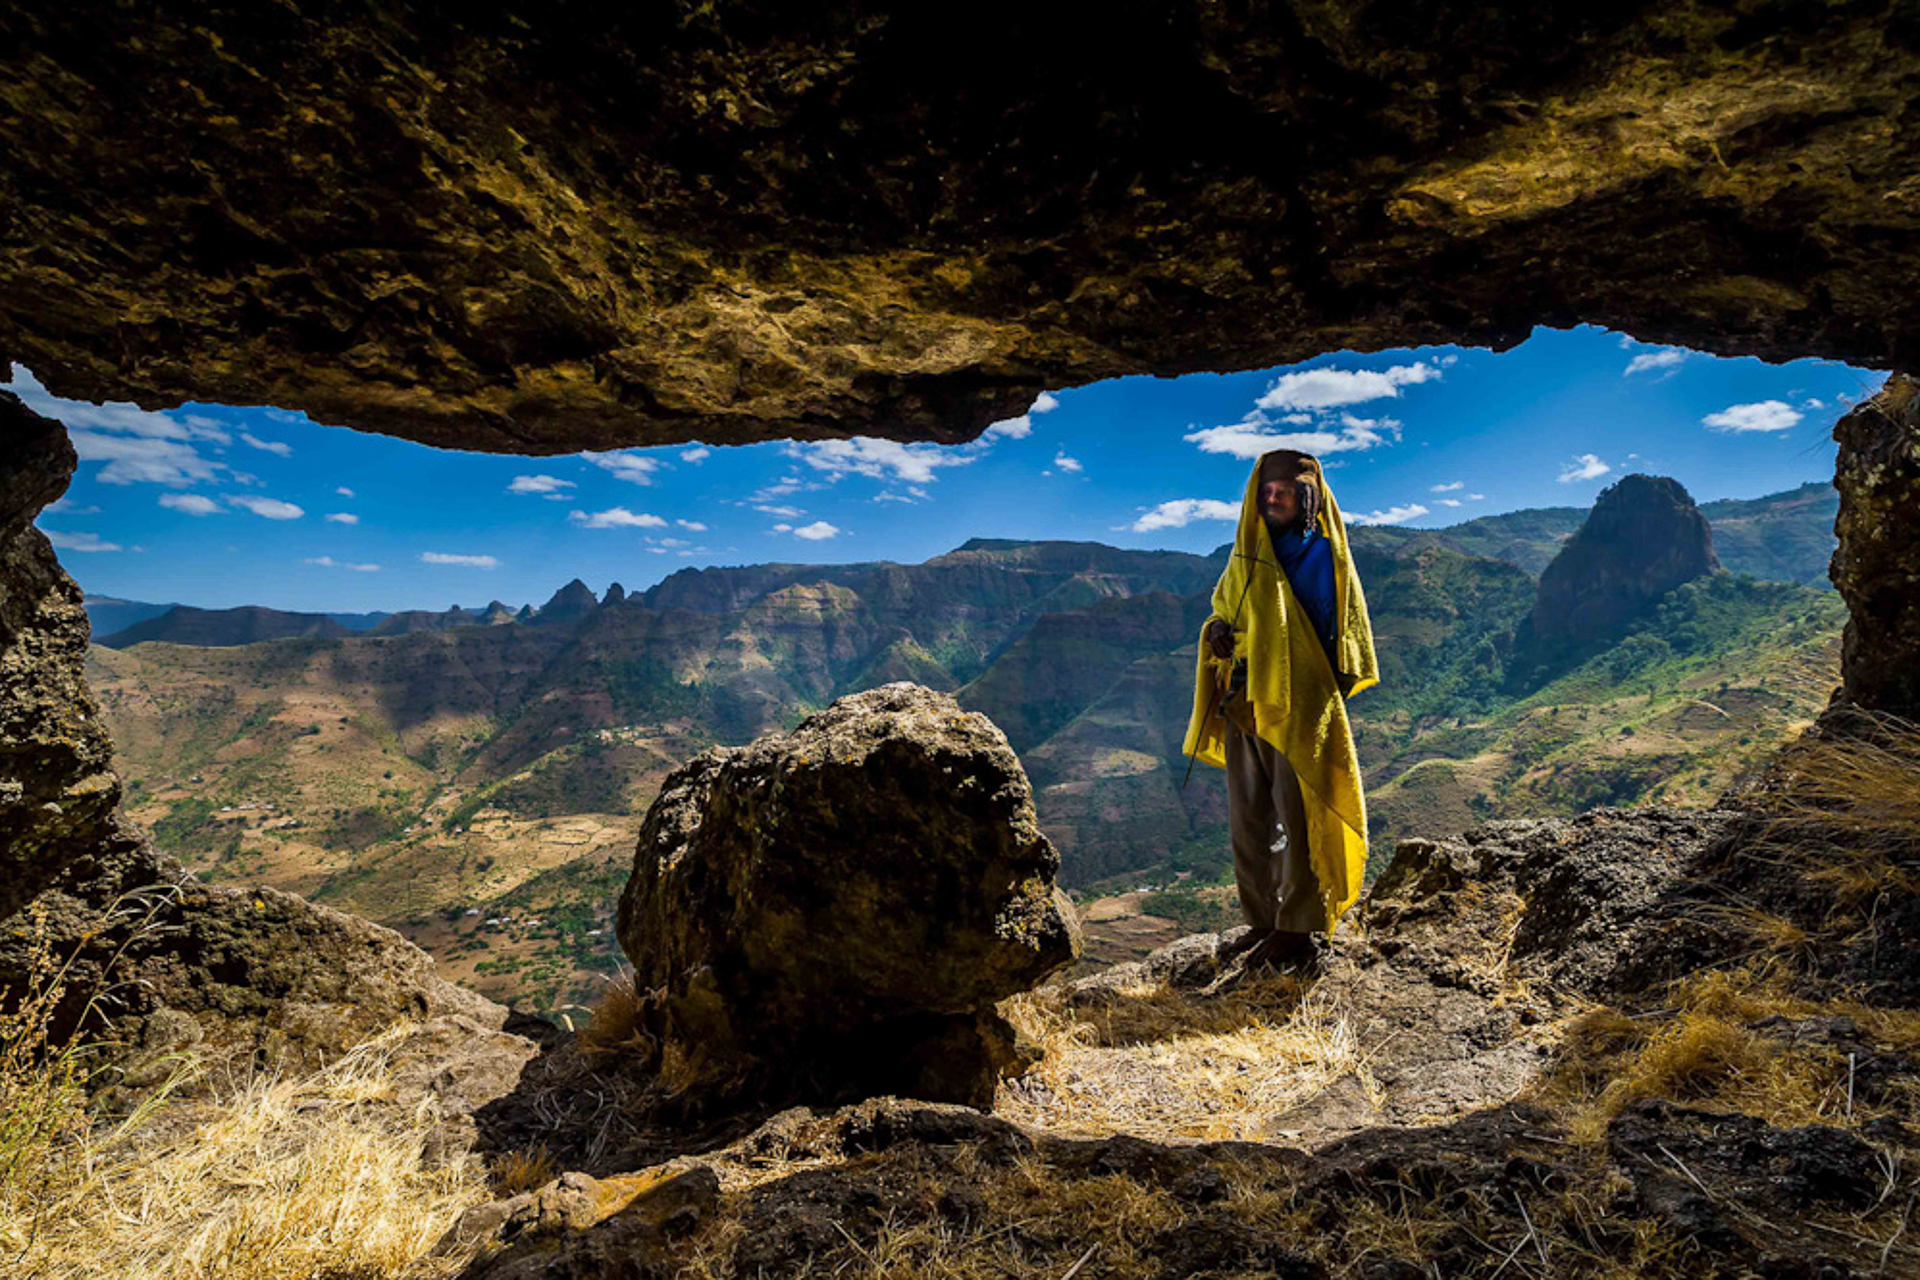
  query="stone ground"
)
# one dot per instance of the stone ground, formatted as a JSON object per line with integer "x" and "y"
{"x": 1405, "y": 1109}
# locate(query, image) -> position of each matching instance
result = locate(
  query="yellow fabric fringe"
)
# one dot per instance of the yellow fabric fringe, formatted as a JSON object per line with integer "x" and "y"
{"x": 1297, "y": 705}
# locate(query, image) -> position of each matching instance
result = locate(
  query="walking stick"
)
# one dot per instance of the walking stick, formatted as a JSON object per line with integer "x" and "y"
{"x": 1220, "y": 692}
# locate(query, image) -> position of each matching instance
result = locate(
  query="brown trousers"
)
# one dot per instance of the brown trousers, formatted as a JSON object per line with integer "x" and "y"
{"x": 1267, "y": 820}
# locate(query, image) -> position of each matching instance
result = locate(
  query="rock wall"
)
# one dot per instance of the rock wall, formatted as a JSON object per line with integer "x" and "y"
{"x": 1877, "y": 564}
{"x": 57, "y": 787}
{"x": 536, "y": 228}
{"x": 152, "y": 962}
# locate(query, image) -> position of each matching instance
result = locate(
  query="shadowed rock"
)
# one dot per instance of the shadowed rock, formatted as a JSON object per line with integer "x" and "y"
{"x": 1877, "y": 565}
{"x": 834, "y": 911}
{"x": 57, "y": 787}
{"x": 539, "y": 228}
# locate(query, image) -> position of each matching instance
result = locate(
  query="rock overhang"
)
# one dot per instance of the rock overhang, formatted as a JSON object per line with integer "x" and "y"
{"x": 539, "y": 230}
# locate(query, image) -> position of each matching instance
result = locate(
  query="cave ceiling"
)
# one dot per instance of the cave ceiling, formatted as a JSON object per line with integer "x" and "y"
{"x": 540, "y": 228}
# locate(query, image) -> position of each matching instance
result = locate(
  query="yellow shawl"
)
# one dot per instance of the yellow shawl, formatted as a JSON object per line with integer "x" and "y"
{"x": 1297, "y": 705}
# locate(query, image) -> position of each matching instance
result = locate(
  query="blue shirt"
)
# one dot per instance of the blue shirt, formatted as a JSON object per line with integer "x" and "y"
{"x": 1307, "y": 559}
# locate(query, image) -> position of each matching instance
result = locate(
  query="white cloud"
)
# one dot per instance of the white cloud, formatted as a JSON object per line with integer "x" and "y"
{"x": 143, "y": 459}
{"x": 1585, "y": 467}
{"x": 330, "y": 563}
{"x": 783, "y": 528}
{"x": 80, "y": 541}
{"x": 787, "y": 485}
{"x": 888, "y": 495}
{"x": 1329, "y": 387}
{"x": 616, "y": 518}
{"x": 344, "y": 492}
{"x": 1448, "y": 502}
{"x": 1764, "y": 415}
{"x": 268, "y": 508}
{"x": 1392, "y": 515}
{"x": 270, "y": 446}
{"x": 193, "y": 504}
{"x": 116, "y": 417}
{"x": 1476, "y": 497}
{"x": 343, "y": 517}
{"x": 1062, "y": 461}
{"x": 1662, "y": 358}
{"x": 1813, "y": 402}
{"x": 696, "y": 454}
{"x": 1181, "y": 512}
{"x": 539, "y": 484}
{"x": 1021, "y": 427}
{"x": 1250, "y": 437}
{"x": 634, "y": 468}
{"x": 878, "y": 459}
{"x": 773, "y": 509}
{"x": 1449, "y": 488}
{"x": 693, "y": 526}
{"x": 817, "y": 531}
{"x": 471, "y": 562}
{"x": 67, "y": 507}
{"x": 675, "y": 542}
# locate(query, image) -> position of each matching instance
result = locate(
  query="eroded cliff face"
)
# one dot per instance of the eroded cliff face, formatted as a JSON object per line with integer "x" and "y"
{"x": 540, "y": 228}
{"x": 1876, "y": 566}
{"x": 150, "y": 960}
{"x": 57, "y": 787}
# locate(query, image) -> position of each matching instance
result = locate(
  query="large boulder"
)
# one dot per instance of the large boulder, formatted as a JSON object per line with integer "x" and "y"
{"x": 834, "y": 911}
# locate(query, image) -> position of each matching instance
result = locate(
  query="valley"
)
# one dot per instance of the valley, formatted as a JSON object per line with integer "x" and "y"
{"x": 475, "y": 778}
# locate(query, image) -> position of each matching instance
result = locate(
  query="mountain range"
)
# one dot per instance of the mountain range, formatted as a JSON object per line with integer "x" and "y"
{"x": 430, "y": 764}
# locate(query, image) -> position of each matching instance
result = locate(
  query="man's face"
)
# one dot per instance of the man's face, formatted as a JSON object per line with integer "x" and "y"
{"x": 1279, "y": 499}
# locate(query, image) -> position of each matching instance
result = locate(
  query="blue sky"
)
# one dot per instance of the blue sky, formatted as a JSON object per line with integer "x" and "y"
{"x": 218, "y": 506}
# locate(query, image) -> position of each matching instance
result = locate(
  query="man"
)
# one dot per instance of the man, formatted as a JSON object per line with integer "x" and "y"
{"x": 1288, "y": 641}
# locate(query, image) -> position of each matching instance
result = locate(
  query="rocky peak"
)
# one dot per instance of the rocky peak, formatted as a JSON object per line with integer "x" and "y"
{"x": 1643, "y": 538}
{"x": 569, "y": 604}
{"x": 496, "y": 614}
{"x": 616, "y": 594}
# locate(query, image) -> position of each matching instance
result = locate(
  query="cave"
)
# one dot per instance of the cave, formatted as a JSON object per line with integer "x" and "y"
{"x": 537, "y": 232}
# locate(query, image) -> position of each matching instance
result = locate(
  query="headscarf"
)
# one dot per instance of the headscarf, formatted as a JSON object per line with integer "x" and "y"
{"x": 1297, "y": 706}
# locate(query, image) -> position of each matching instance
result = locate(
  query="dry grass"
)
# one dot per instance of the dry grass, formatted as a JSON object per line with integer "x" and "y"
{"x": 281, "y": 1178}
{"x": 272, "y": 1178}
{"x": 1847, "y": 813}
{"x": 1162, "y": 1064}
{"x": 1710, "y": 1047}
{"x": 614, "y": 1024}
{"x": 524, "y": 1170}
{"x": 1037, "y": 1222}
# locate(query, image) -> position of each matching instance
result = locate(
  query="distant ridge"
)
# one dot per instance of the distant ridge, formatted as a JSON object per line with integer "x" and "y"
{"x": 1779, "y": 537}
{"x": 222, "y": 628}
